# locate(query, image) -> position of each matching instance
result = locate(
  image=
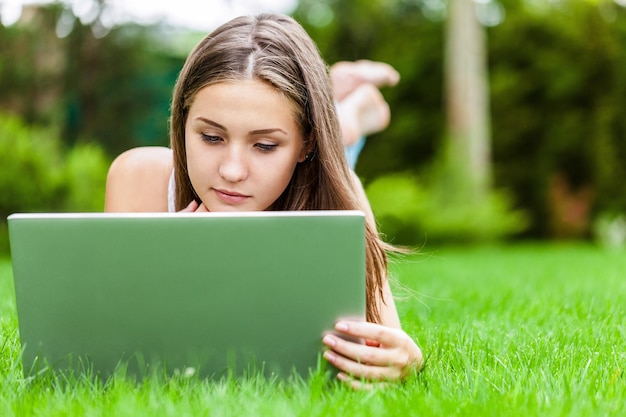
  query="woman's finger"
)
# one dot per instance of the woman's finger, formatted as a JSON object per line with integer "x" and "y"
{"x": 387, "y": 336}
{"x": 191, "y": 207}
{"x": 361, "y": 370}
{"x": 365, "y": 354}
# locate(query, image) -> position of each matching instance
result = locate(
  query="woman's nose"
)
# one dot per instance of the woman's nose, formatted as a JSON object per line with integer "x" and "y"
{"x": 233, "y": 168}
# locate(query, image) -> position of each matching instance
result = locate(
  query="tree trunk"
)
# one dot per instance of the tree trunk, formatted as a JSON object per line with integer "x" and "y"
{"x": 467, "y": 151}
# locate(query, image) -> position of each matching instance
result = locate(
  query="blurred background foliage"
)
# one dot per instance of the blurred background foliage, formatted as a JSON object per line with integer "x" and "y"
{"x": 74, "y": 95}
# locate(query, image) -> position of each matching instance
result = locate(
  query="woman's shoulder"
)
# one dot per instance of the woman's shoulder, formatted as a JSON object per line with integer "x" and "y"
{"x": 138, "y": 180}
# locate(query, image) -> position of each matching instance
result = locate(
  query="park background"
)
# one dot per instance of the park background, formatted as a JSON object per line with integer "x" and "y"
{"x": 77, "y": 90}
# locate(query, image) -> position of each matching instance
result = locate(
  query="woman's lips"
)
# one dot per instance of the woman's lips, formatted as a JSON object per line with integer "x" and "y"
{"x": 230, "y": 197}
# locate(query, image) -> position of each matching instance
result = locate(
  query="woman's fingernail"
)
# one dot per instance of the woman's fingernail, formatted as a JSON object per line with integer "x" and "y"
{"x": 342, "y": 377}
{"x": 329, "y": 356}
{"x": 329, "y": 340}
{"x": 341, "y": 326}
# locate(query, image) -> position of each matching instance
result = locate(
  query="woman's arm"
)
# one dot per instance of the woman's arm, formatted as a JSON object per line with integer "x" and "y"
{"x": 138, "y": 181}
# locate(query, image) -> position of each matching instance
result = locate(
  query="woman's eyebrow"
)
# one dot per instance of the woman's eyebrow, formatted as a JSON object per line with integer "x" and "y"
{"x": 267, "y": 131}
{"x": 252, "y": 132}
{"x": 212, "y": 123}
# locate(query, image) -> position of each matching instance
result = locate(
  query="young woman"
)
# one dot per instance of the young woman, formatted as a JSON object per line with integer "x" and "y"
{"x": 253, "y": 127}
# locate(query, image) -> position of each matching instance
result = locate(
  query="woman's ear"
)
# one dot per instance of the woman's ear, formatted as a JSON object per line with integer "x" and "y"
{"x": 303, "y": 154}
{"x": 307, "y": 151}
{"x": 307, "y": 157}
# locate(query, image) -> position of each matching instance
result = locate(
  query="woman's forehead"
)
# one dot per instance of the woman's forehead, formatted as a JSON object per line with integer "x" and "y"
{"x": 251, "y": 102}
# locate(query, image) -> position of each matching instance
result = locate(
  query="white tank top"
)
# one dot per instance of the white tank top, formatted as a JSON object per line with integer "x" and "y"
{"x": 171, "y": 194}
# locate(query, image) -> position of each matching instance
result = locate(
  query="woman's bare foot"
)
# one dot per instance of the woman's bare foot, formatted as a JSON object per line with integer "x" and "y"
{"x": 347, "y": 76}
{"x": 363, "y": 112}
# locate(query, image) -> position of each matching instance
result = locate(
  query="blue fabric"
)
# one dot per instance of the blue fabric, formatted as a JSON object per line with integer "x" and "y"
{"x": 353, "y": 151}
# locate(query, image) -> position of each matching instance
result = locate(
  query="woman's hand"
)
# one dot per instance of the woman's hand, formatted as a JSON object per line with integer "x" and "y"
{"x": 388, "y": 354}
{"x": 194, "y": 207}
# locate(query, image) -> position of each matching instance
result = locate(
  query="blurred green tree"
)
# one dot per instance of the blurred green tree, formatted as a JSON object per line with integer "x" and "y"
{"x": 109, "y": 85}
{"x": 558, "y": 91}
{"x": 467, "y": 149}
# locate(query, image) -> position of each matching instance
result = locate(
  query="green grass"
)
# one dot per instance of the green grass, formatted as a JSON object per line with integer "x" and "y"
{"x": 522, "y": 330}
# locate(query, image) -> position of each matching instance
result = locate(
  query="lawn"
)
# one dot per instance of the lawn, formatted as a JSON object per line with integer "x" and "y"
{"x": 506, "y": 330}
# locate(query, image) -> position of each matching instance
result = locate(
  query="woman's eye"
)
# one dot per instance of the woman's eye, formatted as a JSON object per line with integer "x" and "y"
{"x": 210, "y": 138}
{"x": 265, "y": 147}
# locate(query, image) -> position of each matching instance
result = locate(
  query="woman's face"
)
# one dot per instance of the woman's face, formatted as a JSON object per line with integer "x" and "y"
{"x": 242, "y": 144}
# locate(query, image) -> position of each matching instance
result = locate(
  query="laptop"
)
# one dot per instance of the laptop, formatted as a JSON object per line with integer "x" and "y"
{"x": 208, "y": 294}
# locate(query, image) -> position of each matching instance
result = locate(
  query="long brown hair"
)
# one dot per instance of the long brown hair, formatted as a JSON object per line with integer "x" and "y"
{"x": 276, "y": 50}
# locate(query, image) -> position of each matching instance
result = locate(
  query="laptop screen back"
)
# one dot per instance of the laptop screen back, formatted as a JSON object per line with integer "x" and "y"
{"x": 204, "y": 292}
